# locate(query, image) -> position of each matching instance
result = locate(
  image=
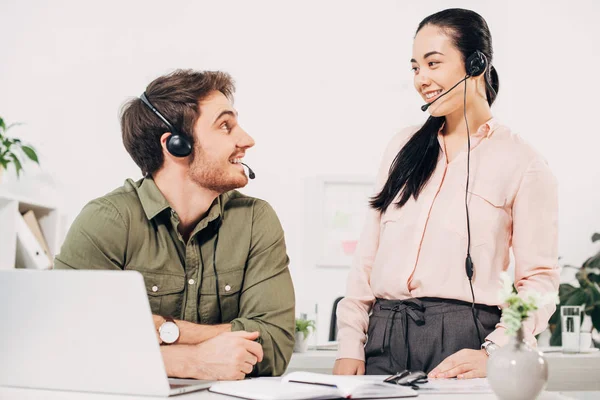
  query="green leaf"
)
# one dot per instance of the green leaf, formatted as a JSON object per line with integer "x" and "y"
{"x": 2, "y": 125}
{"x": 595, "y": 237}
{"x": 592, "y": 299}
{"x": 581, "y": 276}
{"x": 594, "y": 278}
{"x": 577, "y": 298}
{"x": 565, "y": 291}
{"x": 556, "y": 338}
{"x": 12, "y": 125}
{"x": 18, "y": 165}
{"x": 596, "y": 318}
{"x": 30, "y": 152}
{"x": 592, "y": 262}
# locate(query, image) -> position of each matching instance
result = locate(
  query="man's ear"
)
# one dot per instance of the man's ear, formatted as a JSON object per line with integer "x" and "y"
{"x": 163, "y": 143}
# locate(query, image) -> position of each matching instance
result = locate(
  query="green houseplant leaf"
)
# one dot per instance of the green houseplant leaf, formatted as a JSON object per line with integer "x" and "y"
{"x": 17, "y": 163}
{"x": 12, "y": 150}
{"x": 29, "y": 152}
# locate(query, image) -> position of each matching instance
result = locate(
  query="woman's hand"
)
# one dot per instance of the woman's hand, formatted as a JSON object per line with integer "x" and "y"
{"x": 349, "y": 366}
{"x": 463, "y": 364}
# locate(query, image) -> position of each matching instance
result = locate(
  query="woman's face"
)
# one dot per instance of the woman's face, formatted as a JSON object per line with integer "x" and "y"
{"x": 438, "y": 65}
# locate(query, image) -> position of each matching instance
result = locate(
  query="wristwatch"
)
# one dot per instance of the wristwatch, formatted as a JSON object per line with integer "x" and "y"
{"x": 489, "y": 347}
{"x": 168, "y": 331}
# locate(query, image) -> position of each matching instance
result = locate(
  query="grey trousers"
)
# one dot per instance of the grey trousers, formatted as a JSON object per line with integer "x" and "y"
{"x": 419, "y": 333}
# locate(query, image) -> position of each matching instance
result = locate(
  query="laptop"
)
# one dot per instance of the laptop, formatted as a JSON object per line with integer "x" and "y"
{"x": 88, "y": 331}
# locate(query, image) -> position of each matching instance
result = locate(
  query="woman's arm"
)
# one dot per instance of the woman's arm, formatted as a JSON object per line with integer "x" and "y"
{"x": 353, "y": 310}
{"x": 535, "y": 245}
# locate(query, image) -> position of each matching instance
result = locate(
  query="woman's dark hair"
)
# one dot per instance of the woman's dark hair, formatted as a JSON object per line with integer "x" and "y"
{"x": 416, "y": 161}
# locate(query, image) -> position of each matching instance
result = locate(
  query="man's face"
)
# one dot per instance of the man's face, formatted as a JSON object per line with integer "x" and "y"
{"x": 220, "y": 144}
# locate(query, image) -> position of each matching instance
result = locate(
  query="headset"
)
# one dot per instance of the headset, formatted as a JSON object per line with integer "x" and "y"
{"x": 475, "y": 65}
{"x": 178, "y": 144}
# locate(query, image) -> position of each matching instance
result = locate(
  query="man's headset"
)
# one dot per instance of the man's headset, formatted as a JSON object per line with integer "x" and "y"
{"x": 177, "y": 143}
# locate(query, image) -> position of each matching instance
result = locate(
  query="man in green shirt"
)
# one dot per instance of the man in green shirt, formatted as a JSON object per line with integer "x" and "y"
{"x": 214, "y": 261}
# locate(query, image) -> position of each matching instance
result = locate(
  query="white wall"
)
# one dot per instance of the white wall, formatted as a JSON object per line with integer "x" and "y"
{"x": 322, "y": 86}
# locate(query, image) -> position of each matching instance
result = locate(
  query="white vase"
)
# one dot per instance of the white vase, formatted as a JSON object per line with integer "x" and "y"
{"x": 517, "y": 371}
{"x": 301, "y": 345}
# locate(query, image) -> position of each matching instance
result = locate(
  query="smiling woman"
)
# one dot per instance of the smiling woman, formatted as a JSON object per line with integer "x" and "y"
{"x": 433, "y": 305}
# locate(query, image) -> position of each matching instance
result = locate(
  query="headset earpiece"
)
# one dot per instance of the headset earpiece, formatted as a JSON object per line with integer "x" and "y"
{"x": 476, "y": 63}
{"x": 177, "y": 143}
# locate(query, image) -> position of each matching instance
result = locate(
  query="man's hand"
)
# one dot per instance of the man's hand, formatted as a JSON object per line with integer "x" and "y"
{"x": 463, "y": 364}
{"x": 228, "y": 356}
{"x": 348, "y": 366}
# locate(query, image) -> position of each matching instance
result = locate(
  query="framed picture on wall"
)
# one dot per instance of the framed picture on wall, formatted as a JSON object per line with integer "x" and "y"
{"x": 341, "y": 204}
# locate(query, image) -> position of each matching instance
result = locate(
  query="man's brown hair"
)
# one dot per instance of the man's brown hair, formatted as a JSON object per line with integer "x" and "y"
{"x": 176, "y": 97}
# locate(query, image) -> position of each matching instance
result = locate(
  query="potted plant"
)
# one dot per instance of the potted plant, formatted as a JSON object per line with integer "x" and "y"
{"x": 13, "y": 151}
{"x": 303, "y": 329}
{"x": 587, "y": 294}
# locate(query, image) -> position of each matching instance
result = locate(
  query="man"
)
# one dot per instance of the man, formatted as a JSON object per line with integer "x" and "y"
{"x": 213, "y": 259}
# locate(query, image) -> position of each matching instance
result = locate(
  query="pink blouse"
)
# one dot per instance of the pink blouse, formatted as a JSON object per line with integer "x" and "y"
{"x": 419, "y": 250}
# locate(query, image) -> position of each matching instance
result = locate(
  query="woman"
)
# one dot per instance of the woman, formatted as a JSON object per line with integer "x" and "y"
{"x": 453, "y": 196}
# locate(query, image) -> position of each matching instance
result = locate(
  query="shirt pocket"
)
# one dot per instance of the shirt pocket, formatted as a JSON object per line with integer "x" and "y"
{"x": 230, "y": 290}
{"x": 165, "y": 292}
{"x": 489, "y": 216}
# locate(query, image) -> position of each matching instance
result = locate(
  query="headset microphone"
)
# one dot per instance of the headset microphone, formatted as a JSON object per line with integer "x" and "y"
{"x": 424, "y": 107}
{"x": 251, "y": 173}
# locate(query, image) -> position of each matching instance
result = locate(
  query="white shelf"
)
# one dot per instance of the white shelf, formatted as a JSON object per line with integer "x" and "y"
{"x": 13, "y": 204}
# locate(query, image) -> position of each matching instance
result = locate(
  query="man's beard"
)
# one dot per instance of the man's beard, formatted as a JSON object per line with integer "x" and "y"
{"x": 212, "y": 175}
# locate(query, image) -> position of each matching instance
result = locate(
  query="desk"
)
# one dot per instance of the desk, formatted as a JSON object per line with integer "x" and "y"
{"x": 569, "y": 374}
{"x": 566, "y": 371}
{"x": 30, "y": 394}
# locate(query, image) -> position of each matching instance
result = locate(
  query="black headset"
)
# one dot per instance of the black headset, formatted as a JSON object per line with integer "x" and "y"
{"x": 178, "y": 143}
{"x": 476, "y": 63}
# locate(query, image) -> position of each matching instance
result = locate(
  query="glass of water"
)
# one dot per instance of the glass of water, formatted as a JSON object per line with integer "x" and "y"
{"x": 571, "y": 328}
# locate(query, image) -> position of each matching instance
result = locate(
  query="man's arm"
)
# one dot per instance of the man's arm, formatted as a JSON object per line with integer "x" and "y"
{"x": 267, "y": 302}
{"x": 97, "y": 239}
{"x": 191, "y": 333}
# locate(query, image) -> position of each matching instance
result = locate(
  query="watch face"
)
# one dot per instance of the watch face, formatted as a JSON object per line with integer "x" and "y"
{"x": 169, "y": 332}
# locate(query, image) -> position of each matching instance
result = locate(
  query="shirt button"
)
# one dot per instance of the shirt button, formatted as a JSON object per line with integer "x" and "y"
{"x": 191, "y": 281}
{"x": 155, "y": 288}
{"x": 227, "y": 288}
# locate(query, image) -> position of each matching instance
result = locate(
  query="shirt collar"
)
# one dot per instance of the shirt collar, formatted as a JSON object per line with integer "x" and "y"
{"x": 154, "y": 203}
{"x": 484, "y": 131}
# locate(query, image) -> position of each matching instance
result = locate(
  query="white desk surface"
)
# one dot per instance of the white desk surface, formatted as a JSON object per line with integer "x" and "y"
{"x": 569, "y": 375}
{"x": 567, "y": 372}
{"x": 30, "y": 394}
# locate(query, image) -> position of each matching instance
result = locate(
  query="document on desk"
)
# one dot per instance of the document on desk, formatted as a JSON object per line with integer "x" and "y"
{"x": 306, "y": 385}
{"x": 455, "y": 386}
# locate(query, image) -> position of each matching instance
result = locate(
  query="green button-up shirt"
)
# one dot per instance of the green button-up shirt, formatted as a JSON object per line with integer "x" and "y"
{"x": 135, "y": 228}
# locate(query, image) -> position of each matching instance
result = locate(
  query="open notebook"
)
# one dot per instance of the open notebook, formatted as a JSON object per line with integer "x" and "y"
{"x": 307, "y": 385}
